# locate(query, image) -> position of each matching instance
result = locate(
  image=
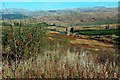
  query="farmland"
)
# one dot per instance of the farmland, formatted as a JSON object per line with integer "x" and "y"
{"x": 98, "y": 32}
{"x": 58, "y": 46}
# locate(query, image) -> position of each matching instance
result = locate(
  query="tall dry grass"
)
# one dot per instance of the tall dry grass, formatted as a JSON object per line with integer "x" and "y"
{"x": 54, "y": 64}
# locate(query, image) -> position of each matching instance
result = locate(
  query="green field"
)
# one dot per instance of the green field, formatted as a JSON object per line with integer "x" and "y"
{"x": 97, "y": 32}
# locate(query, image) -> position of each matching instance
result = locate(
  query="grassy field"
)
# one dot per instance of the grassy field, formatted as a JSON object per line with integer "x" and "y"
{"x": 95, "y": 23}
{"x": 97, "y": 32}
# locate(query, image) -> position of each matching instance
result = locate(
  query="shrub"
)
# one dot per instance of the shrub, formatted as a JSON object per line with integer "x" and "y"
{"x": 23, "y": 41}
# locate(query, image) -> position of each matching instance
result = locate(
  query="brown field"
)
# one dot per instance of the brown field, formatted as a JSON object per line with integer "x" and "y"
{"x": 84, "y": 42}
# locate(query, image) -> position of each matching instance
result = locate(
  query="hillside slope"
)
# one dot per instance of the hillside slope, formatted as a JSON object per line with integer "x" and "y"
{"x": 73, "y": 16}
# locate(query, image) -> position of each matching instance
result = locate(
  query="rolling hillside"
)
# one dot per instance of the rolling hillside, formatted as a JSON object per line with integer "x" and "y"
{"x": 75, "y": 16}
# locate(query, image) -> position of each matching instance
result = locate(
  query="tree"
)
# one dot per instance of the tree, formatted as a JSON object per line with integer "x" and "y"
{"x": 118, "y": 40}
{"x": 23, "y": 40}
{"x": 107, "y": 27}
{"x": 72, "y": 30}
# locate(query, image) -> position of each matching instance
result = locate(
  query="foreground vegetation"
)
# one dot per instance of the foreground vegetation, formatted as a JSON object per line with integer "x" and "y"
{"x": 55, "y": 64}
{"x": 30, "y": 52}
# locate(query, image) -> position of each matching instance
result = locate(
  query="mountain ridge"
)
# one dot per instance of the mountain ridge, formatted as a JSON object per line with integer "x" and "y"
{"x": 91, "y": 9}
{"x": 73, "y": 15}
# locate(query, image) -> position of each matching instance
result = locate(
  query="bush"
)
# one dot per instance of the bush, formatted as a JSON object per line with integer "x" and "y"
{"x": 24, "y": 41}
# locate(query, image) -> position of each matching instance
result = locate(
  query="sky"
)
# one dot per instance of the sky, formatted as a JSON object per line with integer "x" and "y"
{"x": 56, "y": 5}
{"x": 60, "y": 0}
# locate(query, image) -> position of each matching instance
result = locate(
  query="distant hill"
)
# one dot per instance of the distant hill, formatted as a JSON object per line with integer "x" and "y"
{"x": 75, "y": 15}
{"x": 15, "y": 11}
{"x": 80, "y": 16}
{"x": 13, "y": 16}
